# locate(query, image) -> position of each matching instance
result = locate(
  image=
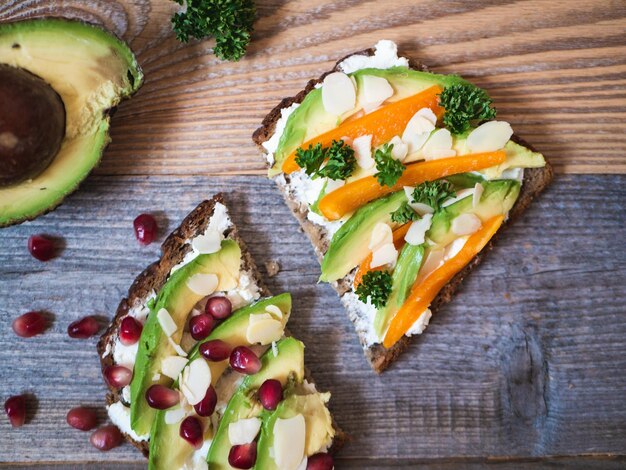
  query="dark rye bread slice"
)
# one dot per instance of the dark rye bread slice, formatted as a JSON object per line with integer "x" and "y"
{"x": 535, "y": 181}
{"x": 173, "y": 250}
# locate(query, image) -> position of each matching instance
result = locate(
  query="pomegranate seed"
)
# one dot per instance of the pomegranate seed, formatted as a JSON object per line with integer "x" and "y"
{"x": 201, "y": 326}
{"x": 215, "y": 350}
{"x": 130, "y": 331}
{"x": 207, "y": 406}
{"x": 242, "y": 456}
{"x": 270, "y": 394}
{"x": 106, "y": 438}
{"x": 117, "y": 376}
{"x": 145, "y": 228}
{"x": 161, "y": 397}
{"x": 320, "y": 462}
{"x": 219, "y": 307}
{"x": 243, "y": 360}
{"x": 15, "y": 408}
{"x": 29, "y": 324}
{"x": 41, "y": 247}
{"x": 191, "y": 431}
{"x": 83, "y": 328}
{"x": 82, "y": 418}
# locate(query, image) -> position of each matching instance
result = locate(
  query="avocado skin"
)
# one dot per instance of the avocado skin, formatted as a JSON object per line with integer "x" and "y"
{"x": 178, "y": 300}
{"x": 402, "y": 279}
{"x": 167, "y": 449}
{"x": 349, "y": 246}
{"x": 21, "y": 44}
{"x": 286, "y": 366}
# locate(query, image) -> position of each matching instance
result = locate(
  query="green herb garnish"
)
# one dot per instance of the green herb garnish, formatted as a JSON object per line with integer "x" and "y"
{"x": 433, "y": 193}
{"x": 389, "y": 169}
{"x": 465, "y": 103}
{"x": 228, "y": 21}
{"x": 377, "y": 286}
{"x": 339, "y": 157}
{"x": 404, "y": 214}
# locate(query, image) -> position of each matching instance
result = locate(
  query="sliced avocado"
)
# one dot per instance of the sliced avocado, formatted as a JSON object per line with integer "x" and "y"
{"x": 319, "y": 426}
{"x": 349, "y": 246}
{"x": 167, "y": 449}
{"x": 310, "y": 119}
{"x": 517, "y": 156}
{"x": 497, "y": 199}
{"x": 91, "y": 71}
{"x": 402, "y": 279}
{"x": 287, "y": 364}
{"x": 178, "y": 299}
{"x": 465, "y": 180}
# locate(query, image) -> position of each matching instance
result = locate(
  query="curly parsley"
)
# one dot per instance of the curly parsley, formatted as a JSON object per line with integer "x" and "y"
{"x": 464, "y": 103}
{"x": 377, "y": 286}
{"x": 389, "y": 169}
{"x": 228, "y": 21}
{"x": 339, "y": 157}
{"x": 404, "y": 214}
{"x": 433, "y": 193}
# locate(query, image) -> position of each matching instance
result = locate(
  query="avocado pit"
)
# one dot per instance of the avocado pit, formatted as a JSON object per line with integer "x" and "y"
{"x": 32, "y": 125}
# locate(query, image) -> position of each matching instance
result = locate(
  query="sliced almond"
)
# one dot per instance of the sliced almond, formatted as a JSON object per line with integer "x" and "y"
{"x": 419, "y": 124}
{"x": 455, "y": 247}
{"x": 489, "y": 137}
{"x": 399, "y": 149}
{"x": 289, "y": 441}
{"x": 264, "y": 331}
{"x": 465, "y": 224}
{"x": 386, "y": 254}
{"x": 375, "y": 90}
{"x": 180, "y": 351}
{"x": 439, "y": 145}
{"x": 209, "y": 242}
{"x": 167, "y": 322}
{"x": 417, "y": 231}
{"x": 462, "y": 194}
{"x": 381, "y": 235}
{"x": 175, "y": 415}
{"x": 428, "y": 114}
{"x": 196, "y": 378}
{"x": 274, "y": 311}
{"x": 478, "y": 193}
{"x": 243, "y": 431}
{"x": 171, "y": 366}
{"x": 203, "y": 283}
{"x": 338, "y": 93}
{"x": 434, "y": 259}
{"x": 363, "y": 151}
{"x": 414, "y": 142}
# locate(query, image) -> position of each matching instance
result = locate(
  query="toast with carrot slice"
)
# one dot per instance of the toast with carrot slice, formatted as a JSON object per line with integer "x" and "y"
{"x": 402, "y": 179}
{"x": 201, "y": 370}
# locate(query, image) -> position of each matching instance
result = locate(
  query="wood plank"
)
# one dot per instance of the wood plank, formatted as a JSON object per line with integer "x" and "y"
{"x": 526, "y": 362}
{"x": 556, "y": 69}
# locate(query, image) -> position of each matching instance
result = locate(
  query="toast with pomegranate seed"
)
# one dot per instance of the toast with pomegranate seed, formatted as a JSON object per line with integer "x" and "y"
{"x": 210, "y": 335}
{"x": 402, "y": 180}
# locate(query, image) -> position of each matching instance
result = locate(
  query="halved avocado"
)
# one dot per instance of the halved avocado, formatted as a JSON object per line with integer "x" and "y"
{"x": 91, "y": 71}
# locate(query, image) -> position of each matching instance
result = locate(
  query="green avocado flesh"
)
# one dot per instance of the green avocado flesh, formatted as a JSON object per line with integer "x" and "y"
{"x": 286, "y": 365}
{"x": 319, "y": 426}
{"x": 349, "y": 246}
{"x": 167, "y": 449}
{"x": 402, "y": 279}
{"x": 92, "y": 71}
{"x": 497, "y": 199}
{"x": 178, "y": 299}
{"x": 310, "y": 119}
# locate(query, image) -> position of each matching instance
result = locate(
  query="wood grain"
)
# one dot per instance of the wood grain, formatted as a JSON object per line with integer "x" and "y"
{"x": 526, "y": 362}
{"x": 556, "y": 69}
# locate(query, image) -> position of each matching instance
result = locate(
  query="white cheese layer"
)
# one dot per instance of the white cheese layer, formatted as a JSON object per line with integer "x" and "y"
{"x": 385, "y": 56}
{"x": 120, "y": 416}
{"x": 272, "y": 144}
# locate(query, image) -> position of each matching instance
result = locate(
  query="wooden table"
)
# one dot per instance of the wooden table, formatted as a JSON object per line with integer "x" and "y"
{"x": 527, "y": 367}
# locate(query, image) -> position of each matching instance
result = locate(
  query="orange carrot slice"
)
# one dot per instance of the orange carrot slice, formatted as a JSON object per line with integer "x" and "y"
{"x": 382, "y": 124}
{"x": 364, "y": 267}
{"x": 353, "y": 195}
{"x": 422, "y": 294}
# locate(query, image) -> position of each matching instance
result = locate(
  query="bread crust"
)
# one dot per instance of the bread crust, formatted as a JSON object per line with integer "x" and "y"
{"x": 173, "y": 250}
{"x": 535, "y": 181}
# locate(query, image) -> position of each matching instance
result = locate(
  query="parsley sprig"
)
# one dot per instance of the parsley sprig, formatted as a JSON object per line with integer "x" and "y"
{"x": 377, "y": 286}
{"x": 465, "y": 103}
{"x": 404, "y": 214}
{"x": 389, "y": 169}
{"x": 433, "y": 193}
{"x": 339, "y": 157}
{"x": 228, "y": 21}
